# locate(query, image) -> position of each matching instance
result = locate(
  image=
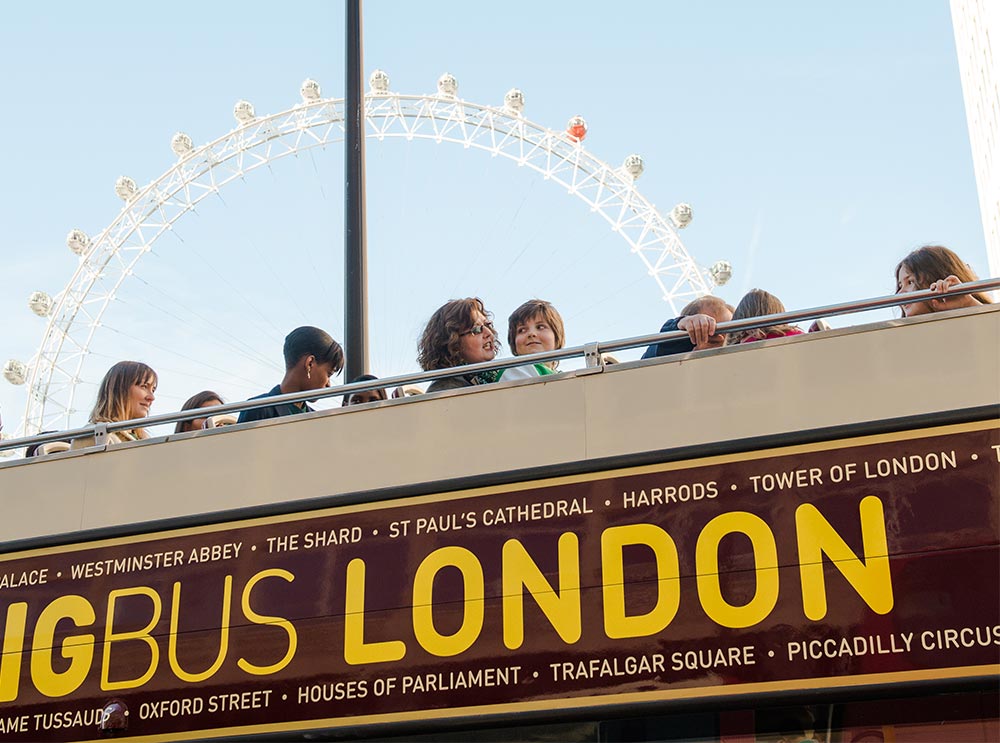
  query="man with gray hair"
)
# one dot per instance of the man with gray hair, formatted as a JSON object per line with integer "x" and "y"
{"x": 699, "y": 319}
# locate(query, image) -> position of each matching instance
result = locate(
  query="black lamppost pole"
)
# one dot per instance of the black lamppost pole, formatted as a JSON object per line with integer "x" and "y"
{"x": 355, "y": 241}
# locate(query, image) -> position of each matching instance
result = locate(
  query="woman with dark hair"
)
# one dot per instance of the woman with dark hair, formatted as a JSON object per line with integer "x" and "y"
{"x": 937, "y": 268}
{"x": 204, "y": 399}
{"x": 758, "y": 303}
{"x": 458, "y": 333}
{"x": 126, "y": 393}
{"x": 360, "y": 398}
{"x": 312, "y": 357}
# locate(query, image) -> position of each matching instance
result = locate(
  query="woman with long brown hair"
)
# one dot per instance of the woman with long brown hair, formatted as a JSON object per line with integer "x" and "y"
{"x": 758, "y": 303}
{"x": 126, "y": 393}
{"x": 937, "y": 268}
{"x": 204, "y": 399}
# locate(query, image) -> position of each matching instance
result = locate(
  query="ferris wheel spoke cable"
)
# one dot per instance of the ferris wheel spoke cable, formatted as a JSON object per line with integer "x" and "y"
{"x": 220, "y": 336}
{"x": 274, "y": 334}
{"x": 485, "y": 245}
{"x": 577, "y": 259}
{"x": 321, "y": 276}
{"x": 607, "y": 297}
{"x": 224, "y": 373}
{"x": 274, "y": 275}
{"x": 529, "y": 243}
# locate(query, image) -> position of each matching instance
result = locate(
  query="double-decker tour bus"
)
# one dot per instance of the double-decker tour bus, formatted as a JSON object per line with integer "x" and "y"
{"x": 791, "y": 540}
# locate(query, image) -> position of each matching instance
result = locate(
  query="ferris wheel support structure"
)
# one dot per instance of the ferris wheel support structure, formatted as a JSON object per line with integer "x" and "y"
{"x": 151, "y": 211}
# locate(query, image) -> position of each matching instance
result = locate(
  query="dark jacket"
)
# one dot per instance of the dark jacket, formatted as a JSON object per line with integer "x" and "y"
{"x": 668, "y": 348}
{"x": 272, "y": 411}
{"x": 450, "y": 383}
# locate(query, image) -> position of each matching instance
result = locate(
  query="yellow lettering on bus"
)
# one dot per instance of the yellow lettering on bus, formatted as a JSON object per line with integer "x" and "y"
{"x": 227, "y": 596}
{"x": 870, "y": 578}
{"x": 473, "y": 607}
{"x": 13, "y": 646}
{"x": 250, "y": 614}
{"x": 562, "y": 609}
{"x": 78, "y": 650}
{"x": 617, "y": 624}
{"x": 111, "y": 637}
{"x": 765, "y": 554}
{"x": 357, "y": 652}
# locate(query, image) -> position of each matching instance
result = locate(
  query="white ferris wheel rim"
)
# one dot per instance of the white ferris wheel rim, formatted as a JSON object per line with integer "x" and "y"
{"x": 152, "y": 210}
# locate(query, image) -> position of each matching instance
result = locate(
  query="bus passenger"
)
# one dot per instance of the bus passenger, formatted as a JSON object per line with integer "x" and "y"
{"x": 937, "y": 268}
{"x": 204, "y": 399}
{"x": 699, "y": 318}
{"x": 534, "y": 327}
{"x": 125, "y": 394}
{"x": 359, "y": 398}
{"x": 311, "y": 358}
{"x": 757, "y": 303}
{"x": 458, "y": 333}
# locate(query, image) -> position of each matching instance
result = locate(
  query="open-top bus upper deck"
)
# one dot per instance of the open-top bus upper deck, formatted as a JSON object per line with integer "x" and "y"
{"x": 801, "y": 519}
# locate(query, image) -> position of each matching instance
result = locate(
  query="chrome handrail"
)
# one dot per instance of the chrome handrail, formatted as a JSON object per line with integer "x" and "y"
{"x": 589, "y": 351}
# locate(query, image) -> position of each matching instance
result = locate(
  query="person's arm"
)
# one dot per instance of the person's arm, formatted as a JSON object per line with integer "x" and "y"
{"x": 700, "y": 329}
{"x": 941, "y": 286}
{"x": 668, "y": 347}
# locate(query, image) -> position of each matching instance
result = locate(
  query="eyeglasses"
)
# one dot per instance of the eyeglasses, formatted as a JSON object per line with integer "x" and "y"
{"x": 478, "y": 329}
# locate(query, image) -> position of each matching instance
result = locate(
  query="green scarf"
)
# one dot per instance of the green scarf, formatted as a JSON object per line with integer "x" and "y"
{"x": 486, "y": 377}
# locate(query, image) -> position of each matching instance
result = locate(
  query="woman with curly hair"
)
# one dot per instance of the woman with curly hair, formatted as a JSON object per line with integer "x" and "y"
{"x": 937, "y": 268}
{"x": 459, "y": 332}
{"x": 126, "y": 393}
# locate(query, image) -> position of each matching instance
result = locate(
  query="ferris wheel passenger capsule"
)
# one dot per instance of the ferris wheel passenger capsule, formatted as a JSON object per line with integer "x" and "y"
{"x": 514, "y": 100}
{"x": 243, "y": 112}
{"x": 181, "y": 144}
{"x": 125, "y": 188}
{"x": 634, "y": 165}
{"x": 447, "y": 85}
{"x": 309, "y": 90}
{"x": 721, "y": 272}
{"x": 15, "y": 372}
{"x": 40, "y": 303}
{"x": 681, "y": 215}
{"x": 78, "y": 241}
{"x": 379, "y": 82}
{"x": 577, "y": 128}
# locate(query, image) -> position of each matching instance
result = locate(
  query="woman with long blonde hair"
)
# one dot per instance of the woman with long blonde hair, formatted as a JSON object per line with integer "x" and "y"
{"x": 126, "y": 393}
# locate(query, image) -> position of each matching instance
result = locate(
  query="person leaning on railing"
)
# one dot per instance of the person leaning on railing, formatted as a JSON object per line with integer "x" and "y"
{"x": 758, "y": 303}
{"x": 360, "y": 398}
{"x": 699, "y": 318}
{"x": 126, "y": 393}
{"x": 937, "y": 268}
{"x": 458, "y": 333}
{"x": 534, "y": 327}
{"x": 203, "y": 399}
{"x": 312, "y": 356}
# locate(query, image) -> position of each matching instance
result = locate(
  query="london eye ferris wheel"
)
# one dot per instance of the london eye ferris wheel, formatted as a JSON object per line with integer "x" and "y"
{"x": 108, "y": 259}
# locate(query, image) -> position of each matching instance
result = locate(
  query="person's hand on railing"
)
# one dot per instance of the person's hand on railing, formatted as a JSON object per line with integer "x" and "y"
{"x": 701, "y": 330}
{"x": 941, "y": 286}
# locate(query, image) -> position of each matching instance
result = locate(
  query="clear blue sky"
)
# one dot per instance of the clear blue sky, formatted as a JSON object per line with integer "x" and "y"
{"x": 817, "y": 142}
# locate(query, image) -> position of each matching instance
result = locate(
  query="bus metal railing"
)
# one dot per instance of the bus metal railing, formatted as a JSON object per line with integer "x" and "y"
{"x": 590, "y": 352}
